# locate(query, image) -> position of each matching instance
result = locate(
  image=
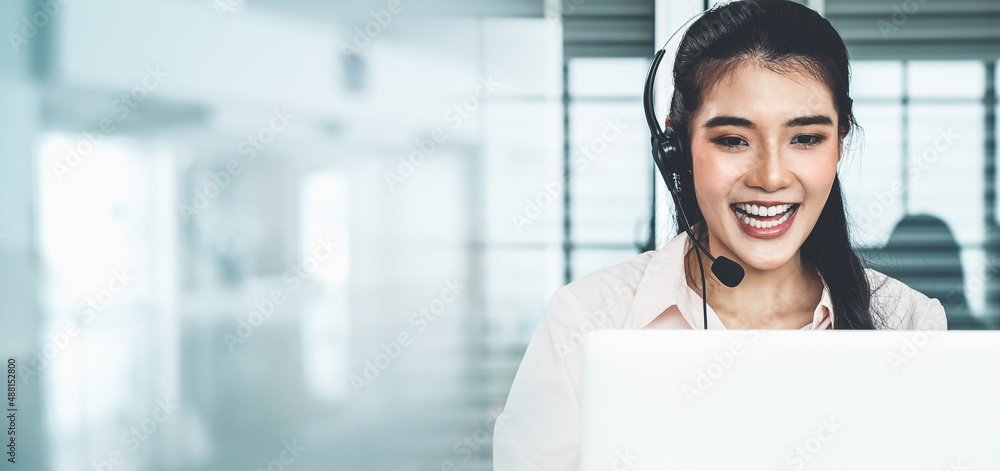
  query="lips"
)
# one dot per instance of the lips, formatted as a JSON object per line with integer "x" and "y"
{"x": 778, "y": 219}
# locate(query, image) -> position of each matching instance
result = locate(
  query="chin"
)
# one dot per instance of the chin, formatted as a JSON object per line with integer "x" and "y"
{"x": 765, "y": 265}
{"x": 754, "y": 258}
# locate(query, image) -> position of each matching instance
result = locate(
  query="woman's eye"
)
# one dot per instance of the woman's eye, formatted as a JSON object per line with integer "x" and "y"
{"x": 729, "y": 142}
{"x": 810, "y": 140}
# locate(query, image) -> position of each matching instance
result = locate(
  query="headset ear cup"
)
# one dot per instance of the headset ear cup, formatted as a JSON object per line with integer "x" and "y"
{"x": 687, "y": 178}
{"x": 673, "y": 155}
{"x": 679, "y": 161}
{"x": 683, "y": 161}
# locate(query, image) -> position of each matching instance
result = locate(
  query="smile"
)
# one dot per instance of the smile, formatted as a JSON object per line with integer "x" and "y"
{"x": 764, "y": 221}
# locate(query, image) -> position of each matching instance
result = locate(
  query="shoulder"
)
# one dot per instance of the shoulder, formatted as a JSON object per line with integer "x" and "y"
{"x": 599, "y": 299}
{"x": 902, "y": 307}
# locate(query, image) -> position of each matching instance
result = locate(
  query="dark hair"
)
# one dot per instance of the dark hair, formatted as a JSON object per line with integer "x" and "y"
{"x": 782, "y": 36}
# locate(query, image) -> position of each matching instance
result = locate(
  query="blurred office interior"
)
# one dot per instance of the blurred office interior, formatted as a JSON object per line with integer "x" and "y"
{"x": 264, "y": 234}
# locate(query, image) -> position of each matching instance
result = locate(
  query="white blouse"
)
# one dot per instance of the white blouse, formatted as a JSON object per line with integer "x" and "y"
{"x": 540, "y": 429}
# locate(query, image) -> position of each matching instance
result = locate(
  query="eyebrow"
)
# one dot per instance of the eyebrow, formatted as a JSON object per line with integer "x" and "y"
{"x": 746, "y": 123}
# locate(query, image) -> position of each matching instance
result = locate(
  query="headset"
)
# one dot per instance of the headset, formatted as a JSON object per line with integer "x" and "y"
{"x": 671, "y": 155}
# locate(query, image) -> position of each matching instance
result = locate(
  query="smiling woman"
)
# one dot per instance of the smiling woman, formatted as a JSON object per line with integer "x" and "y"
{"x": 761, "y": 106}
{"x": 765, "y": 149}
{"x": 761, "y": 96}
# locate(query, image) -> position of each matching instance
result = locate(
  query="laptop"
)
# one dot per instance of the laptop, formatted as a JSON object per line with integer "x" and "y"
{"x": 790, "y": 400}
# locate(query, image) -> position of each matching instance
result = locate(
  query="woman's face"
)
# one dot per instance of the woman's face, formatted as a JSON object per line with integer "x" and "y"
{"x": 768, "y": 139}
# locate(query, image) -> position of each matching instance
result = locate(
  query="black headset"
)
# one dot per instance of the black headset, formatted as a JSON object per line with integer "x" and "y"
{"x": 671, "y": 157}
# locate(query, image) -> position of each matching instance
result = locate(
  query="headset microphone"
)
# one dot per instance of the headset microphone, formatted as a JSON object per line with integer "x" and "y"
{"x": 668, "y": 154}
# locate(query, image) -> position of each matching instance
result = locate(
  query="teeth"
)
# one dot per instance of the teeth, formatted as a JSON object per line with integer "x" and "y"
{"x": 765, "y": 224}
{"x": 755, "y": 210}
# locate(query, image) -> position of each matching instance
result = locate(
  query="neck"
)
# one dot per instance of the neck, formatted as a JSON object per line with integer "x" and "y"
{"x": 783, "y": 297}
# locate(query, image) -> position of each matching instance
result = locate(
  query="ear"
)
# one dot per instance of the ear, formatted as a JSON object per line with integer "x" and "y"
{"x": 840, "y": 143}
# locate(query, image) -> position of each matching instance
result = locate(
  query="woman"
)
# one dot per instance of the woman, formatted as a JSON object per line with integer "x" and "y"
{"x": 761, "y": 98}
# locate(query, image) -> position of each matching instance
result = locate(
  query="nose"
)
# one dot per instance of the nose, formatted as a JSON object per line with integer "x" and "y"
{"x": 770, "y": 171}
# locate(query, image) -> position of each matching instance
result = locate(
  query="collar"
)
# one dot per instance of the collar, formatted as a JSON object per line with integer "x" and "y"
{"x": 663, "y": 285}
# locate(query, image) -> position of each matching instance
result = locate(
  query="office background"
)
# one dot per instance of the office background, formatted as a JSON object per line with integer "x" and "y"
{"x": 262, "y": 234}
